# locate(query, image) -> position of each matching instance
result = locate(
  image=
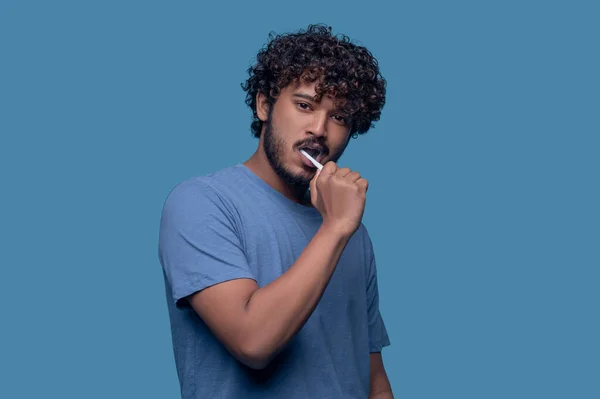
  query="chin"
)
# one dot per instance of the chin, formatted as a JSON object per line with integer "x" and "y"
{"x": 295, "y": 175}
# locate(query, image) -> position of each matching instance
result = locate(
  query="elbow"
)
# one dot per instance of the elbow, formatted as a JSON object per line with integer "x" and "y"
{"x": 255, "y": 363}
{"x": 254, "y": 355}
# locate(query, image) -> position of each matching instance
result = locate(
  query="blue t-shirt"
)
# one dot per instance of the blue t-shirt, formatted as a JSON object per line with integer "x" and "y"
{"x": 231, "y": 224}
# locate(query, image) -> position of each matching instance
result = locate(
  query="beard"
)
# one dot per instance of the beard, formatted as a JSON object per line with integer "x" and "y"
{"x": 274, "y": 150}
{"x": 275, "y": 146}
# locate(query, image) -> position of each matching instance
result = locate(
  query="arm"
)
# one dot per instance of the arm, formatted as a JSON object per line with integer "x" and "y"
{"x": 254, "y": 324}
{"x": 380, "y": 385}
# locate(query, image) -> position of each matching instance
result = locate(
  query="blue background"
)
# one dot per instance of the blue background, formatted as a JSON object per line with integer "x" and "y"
{"x": 483, "y": 204}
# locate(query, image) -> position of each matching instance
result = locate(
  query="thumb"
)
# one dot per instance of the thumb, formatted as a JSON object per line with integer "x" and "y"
{"x": 313, "y": 188}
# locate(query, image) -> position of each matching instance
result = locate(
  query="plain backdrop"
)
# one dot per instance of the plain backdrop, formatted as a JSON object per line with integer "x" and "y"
{"x": 483, "y": 203}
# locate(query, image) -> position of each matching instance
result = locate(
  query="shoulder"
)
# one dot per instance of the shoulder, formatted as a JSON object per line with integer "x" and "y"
{"x": 210, "y": 191}
{"x": 189, "y": 194}
{"x": 215, "y": 184}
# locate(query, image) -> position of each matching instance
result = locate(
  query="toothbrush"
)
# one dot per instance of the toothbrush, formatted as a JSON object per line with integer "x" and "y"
{"x": 311, "y": 159}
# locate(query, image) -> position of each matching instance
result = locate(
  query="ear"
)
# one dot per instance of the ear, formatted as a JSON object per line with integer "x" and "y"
{"x": 262, "y": 107}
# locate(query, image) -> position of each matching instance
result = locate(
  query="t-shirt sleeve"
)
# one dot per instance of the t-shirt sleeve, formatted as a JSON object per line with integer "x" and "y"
{"x": 199, "y": 244}
{"x": 378, "y": 336}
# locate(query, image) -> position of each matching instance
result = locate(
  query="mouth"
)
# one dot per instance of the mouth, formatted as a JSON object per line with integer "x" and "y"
{"x": 317, "y": 152}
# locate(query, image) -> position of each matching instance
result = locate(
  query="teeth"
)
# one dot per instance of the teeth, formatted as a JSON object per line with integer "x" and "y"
{"x": 312, "y": 152}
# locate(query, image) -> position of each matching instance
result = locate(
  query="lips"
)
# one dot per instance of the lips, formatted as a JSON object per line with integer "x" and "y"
{"x": 315, "y": 151}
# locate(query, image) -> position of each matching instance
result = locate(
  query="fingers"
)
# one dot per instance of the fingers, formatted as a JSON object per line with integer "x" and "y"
{"x": 343, "y": 172}
{"x": 353, "y": 176}
{"x": 363, "y": 183}
{"x": 329, "y": 168}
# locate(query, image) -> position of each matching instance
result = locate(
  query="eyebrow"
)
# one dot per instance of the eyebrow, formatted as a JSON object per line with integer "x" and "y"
{"x": 304, "y": 96}
{"x": 310, "y": 98}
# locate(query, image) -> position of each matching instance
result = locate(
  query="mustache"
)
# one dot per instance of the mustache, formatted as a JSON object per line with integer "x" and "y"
{"x": 313, "y": 144}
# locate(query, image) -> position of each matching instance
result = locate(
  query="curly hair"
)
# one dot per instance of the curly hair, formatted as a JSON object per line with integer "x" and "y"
{"x": 342, "y": 69}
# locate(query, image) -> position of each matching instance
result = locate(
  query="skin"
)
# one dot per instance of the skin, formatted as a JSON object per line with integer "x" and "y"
{"x": 255, "y": 323}
{"x": 296, "y": 118}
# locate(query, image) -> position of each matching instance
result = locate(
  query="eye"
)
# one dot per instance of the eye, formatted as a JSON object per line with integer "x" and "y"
{"x": 340, "y": 119}
{"x": 303, "y": 106}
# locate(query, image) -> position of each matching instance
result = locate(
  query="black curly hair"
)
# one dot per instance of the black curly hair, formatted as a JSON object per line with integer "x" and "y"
{"x": 344, "y": 70}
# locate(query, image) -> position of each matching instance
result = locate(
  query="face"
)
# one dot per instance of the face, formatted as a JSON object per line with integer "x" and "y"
{"x": 297, "y": 121}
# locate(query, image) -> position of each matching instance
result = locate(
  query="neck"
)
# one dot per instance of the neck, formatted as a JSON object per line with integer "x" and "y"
{"x": 259, "y": 164}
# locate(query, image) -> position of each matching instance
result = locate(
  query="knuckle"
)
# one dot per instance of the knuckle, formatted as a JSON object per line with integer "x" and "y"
{"x": 331, "y": 166}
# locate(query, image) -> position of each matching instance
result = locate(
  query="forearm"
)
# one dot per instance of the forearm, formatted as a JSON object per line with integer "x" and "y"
{"x": 276, "y": 312}
{"x": 382, "y": 395}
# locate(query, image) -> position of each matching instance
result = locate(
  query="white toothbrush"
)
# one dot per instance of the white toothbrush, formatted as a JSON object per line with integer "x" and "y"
{"x": 311, "y": 159}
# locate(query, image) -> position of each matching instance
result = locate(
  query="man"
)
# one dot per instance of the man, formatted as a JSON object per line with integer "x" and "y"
{"x": 270, "y": 275}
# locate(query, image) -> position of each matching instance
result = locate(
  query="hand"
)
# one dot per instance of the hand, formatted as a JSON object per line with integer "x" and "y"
{"x": 339, "y": 195}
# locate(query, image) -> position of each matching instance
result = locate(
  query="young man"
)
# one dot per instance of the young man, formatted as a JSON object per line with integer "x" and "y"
{"x": 270, "y": 275}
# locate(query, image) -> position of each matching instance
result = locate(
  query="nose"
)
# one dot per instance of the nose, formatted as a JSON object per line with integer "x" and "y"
{"x": 318, "y": 126}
